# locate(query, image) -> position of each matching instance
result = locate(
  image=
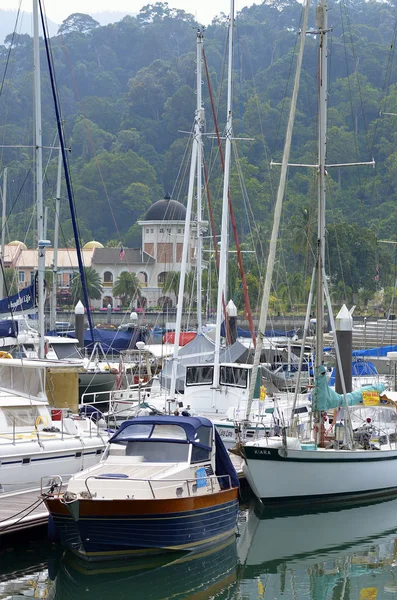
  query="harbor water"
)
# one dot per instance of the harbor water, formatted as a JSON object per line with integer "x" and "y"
{"x": 348, "y": 554}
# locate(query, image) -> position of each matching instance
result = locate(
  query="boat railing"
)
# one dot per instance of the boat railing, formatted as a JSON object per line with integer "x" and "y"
{"x": 56, "y": 425}
{"x": 51, "y": 485}
{"x": 192, "y": 484}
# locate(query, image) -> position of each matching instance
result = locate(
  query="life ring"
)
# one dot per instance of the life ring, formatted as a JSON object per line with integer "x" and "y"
{"x": 5, "y": 355}
{"x": 41, "y": 419}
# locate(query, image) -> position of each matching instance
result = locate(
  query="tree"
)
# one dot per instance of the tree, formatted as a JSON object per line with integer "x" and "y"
{"x": 127, "y": 288}
{"x": 93, "y": 283}
{"x": 79, "y": 22}
{"x": 11, "y": 282}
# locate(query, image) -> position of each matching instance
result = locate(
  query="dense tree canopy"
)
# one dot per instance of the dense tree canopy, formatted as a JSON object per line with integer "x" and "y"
{"x": 127, "y": 92}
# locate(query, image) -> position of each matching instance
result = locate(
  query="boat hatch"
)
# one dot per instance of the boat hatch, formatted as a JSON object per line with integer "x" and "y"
{"x": 233, "y": 376}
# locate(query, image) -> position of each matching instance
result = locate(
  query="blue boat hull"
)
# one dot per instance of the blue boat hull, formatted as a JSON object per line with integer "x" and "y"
{"x": 127, "y": 530}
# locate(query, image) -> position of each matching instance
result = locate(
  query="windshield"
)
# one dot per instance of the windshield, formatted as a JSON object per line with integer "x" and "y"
{"x": 157, "y": 452}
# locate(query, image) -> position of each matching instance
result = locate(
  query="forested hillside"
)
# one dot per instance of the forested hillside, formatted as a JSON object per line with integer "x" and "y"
{"x": 127, "y": 92}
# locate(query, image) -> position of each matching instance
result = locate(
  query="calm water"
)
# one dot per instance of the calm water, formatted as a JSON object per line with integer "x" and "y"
{"x": 342, "y": 555}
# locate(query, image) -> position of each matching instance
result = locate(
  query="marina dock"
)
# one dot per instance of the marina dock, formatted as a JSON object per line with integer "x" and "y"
{"x": 21, "y": 510}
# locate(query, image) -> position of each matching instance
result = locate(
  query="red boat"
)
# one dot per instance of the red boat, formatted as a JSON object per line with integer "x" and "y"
{"x": 184, "y": 338}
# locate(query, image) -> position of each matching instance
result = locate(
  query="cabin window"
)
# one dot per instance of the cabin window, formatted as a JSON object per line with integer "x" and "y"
{"x": 173, "y": 432}
{"x": 203, "y": 436}
{"x": 67, "y": 350}
{"x": 135, "y": 431}
{"x": 234, "y": 376}
{"x": 200, "y": 454}
{"x": 199, "y": 375}
{"x": 21, "y": 416}
{"x": 161, "y": 452}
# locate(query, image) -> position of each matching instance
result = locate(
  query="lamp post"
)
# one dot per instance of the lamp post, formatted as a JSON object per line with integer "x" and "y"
{"x": 140, "y": 346}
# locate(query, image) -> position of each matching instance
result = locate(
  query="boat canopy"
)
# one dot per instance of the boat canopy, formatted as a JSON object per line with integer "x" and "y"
{"x": 175, "y": 428}
{"x": 194, "y": 430}
{"x": 325, "y": 398}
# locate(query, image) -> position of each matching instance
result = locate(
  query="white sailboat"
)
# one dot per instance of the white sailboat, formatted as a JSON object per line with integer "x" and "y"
{"x": 285, "y": 469}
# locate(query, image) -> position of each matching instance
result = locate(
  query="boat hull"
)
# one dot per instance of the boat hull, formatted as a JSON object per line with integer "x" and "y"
{"x": 102, "y": 529}
{"x": 323, "y": 476}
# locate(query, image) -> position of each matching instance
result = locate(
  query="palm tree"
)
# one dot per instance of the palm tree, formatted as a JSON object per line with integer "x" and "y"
{"x": 171, "y": 282}
{"x": 11, "y": 282}
{"x": 127, "y": 288}
{"x": 93, "y": 283}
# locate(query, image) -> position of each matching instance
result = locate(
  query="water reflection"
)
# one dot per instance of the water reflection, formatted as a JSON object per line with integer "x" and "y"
{"x": 203, "y": 575}
{"x": 336, "y": 555}
{"x": 345, "y": 554}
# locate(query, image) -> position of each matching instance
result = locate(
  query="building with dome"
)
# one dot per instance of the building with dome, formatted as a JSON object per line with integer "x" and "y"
{"x": 163, "y": 228}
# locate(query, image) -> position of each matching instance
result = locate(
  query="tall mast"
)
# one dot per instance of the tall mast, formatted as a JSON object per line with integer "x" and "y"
{"x": 3, "y": 228}
{"x": 225, "y": 207}
{"x": 277, "y": 217}
{"x": 200, "y": 116}
{"x": 321, "y": 23}
{"x": 194, "y": 164}
{"x": 53, "y": 308}
{"x": 39, "y": 168}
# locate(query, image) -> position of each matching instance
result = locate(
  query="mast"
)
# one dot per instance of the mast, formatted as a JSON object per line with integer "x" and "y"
{"x": 53, "y": 308}
{"x": 225, "y": 206}
{"x": 39, "y": 169}
{"x": 194, "y": 164}
{"x": 321, "y": 23}
{"x": 200, "y": 115}
{"x": 277, "y": 217}
{"x": 3, "y": 229}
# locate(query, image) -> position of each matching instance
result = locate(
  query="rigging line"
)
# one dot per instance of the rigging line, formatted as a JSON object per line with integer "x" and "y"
{"x": 349, "y": 83}
{"x": 10, "y": 49}
{"x": 233, "y": 222}
{"x": 287, "y": 83}
{"x": 66, "y": 171}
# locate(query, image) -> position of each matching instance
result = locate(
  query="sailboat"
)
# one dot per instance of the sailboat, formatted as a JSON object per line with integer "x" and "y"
{"x": 320, "y": 469}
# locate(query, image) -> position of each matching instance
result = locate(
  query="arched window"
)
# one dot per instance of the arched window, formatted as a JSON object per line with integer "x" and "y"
{"x": 107, "y": 279}
{"x": 142, "y": 278}
{"x": 161, "y": 278}
{"x": 107, "y": 300}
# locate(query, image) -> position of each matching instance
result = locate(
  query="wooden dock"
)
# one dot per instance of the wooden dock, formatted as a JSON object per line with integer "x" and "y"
{"x": 21, "y": 510}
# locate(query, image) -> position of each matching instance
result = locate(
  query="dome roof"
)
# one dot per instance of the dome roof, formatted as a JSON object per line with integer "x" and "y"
{"x": 91, "y": 245}
{"x": 17, "y": 243}
{"x": 166, "y": 210}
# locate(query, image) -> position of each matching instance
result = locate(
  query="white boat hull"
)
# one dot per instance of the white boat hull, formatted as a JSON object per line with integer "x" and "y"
{"x": 322, "y": 475}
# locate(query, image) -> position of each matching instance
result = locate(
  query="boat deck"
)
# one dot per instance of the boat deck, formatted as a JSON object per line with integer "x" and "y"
{"x": 21, "y": 510}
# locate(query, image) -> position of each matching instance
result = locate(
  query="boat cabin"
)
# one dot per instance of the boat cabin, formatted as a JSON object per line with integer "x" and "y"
{"x": 158, "y": 457}
{"x": 206, "y": 396}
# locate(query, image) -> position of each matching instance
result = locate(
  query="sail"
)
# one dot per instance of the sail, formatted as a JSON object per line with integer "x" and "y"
{"x": 325, "y": 398}
{"x": 24, "y": 300}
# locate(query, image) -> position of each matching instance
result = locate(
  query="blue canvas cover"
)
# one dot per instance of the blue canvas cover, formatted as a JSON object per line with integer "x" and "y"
{"x": 325, "y": 398}
{"x": 112, "y": 340}
{"x": 360, "y": 368}
{"x": 375, "y": 352}
{"x": 223, "y": 464}
{"x": 189, "y": 424}
{"x": 8, "y": 328}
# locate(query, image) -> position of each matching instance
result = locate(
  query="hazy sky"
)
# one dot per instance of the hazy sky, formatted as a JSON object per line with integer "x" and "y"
{"x": 57, "y": 10}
